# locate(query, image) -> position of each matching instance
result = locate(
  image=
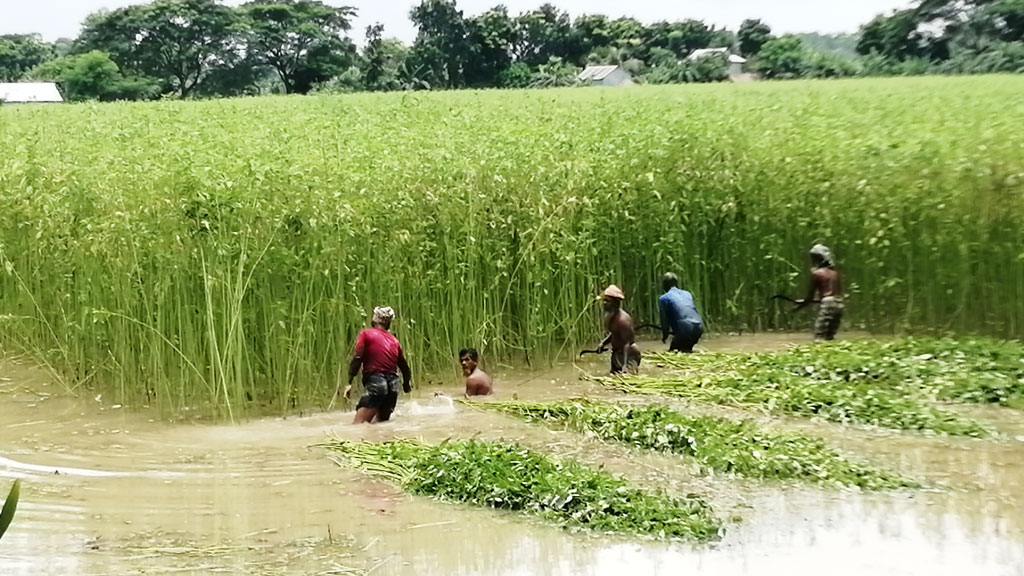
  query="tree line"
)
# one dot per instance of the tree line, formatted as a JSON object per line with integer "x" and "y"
{"x": 203, "y": 48}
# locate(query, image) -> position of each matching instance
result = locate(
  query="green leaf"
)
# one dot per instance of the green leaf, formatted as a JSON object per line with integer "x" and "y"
{"x": 10, "y": 505}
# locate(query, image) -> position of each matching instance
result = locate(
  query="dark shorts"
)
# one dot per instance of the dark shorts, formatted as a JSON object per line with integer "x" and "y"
{"x": 686, "y": 338}
{"x": 627, "y": 360}
{"x": 380, "y": 392}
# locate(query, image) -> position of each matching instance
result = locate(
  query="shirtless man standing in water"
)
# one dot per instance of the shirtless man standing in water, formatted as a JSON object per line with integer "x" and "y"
{"x": 478, "y": 383}
{"x": 621, "y": 333}
{"x": 824, "y": 283}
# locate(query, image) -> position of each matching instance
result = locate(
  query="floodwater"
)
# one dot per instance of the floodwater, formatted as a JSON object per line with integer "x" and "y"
{"x": 111, "y": 491}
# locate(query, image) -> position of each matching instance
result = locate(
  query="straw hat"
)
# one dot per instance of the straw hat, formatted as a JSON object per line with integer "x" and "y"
{"x": 614, "y": 291}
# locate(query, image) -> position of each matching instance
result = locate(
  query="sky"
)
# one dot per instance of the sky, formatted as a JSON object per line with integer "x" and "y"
{"x": 62, "y": 18}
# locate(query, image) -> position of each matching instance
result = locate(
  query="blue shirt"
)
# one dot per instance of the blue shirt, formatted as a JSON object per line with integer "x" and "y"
{"x": 678, "y": 311}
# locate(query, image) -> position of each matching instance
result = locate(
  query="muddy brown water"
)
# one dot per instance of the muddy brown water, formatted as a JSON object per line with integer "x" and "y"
{"x": 112, "y": 491}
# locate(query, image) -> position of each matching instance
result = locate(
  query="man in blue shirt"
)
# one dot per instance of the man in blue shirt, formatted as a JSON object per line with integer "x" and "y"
{"x": 679, "y": 316}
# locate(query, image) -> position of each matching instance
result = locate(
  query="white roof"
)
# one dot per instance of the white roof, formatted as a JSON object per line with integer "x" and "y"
{"x": 596, "y": 72}
{"x": 733, "y": 58}
{"x": 18, "y": 92}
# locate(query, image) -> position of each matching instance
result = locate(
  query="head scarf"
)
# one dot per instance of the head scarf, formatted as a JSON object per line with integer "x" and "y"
{"x": 824, "y": 254}
{"x": 613, "y": 291}
{"x": 383, "y": 314}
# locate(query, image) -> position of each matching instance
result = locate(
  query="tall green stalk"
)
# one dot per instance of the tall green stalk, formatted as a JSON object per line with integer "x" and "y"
{"x": 489, "y": 219}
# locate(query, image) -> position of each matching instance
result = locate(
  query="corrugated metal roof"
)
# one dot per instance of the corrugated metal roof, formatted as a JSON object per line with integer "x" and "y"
{"x": 697, "y": 54}
{"x": 596, "y": 72}
{"x": 735, "y": 59}
{"x": 23, "y": 92}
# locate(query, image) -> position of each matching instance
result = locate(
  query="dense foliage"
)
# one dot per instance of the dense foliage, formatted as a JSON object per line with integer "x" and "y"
{"x": 719, "y": 444}
{"x": 228, "y": 251}
{"x": 506, "y": 476}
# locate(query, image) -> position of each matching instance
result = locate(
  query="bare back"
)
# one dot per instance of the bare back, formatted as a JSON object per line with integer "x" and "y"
{"x": 825, "y": 281}
{"x": 478, "y": 384}
{"x": 620, "y": 327}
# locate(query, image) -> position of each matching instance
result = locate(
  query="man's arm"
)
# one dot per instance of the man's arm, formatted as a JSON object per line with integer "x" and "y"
{"x": 663, "y": 309}
{"x": 356, "y": 363}
{"x": 403, "y": 366}
{"x": 353, "y": 371}
{"x": 812, "y": 288}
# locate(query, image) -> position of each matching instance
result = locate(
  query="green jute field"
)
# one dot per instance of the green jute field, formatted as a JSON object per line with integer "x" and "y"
{"x": 225, "y": 253}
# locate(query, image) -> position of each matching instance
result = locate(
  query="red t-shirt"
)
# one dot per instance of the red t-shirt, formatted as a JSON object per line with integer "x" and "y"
{"x": 379, "y": 350}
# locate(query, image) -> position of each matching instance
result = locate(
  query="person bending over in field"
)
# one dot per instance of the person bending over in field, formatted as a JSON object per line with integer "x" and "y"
{"x": 679, "y": 316}
{"x": 621, "y": 333}
{"x": 825, "y": 284}
{"x": 478, "y": 383}
{"x": 380, "y": 356}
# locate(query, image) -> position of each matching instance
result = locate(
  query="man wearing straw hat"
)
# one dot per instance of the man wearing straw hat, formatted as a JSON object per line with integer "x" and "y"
{"x": 621, "y": 333}
{"x": 380, "y": 356}
{"x": 825, "y": 283}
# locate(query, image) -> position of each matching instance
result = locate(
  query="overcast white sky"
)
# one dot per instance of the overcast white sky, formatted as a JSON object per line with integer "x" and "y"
{"x": 62, "y": 18}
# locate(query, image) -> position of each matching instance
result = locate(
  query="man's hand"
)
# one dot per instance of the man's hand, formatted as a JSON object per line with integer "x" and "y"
{"x": 348, "y": 392}
{"x": 406, "y": 387}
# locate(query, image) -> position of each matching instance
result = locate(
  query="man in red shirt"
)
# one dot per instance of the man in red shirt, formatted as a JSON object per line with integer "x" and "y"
{"x": 379, "y": 355}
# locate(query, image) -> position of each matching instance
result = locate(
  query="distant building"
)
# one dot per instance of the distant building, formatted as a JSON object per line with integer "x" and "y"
{"x": 735, "y": 61}
{"x": 606, "y": 76}
{"x": 29, "y": 92}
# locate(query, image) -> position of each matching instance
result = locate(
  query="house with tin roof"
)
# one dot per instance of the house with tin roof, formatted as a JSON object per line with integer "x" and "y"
{"x": 606, "y": 76}
{"x": 29, "y": 92}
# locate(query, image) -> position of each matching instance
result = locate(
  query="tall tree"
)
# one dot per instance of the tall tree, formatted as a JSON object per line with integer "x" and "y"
{"x": 681, "y": 38}
{"x": 491, "y": 36}
{"x": 387, "y": 57}
{"x": 901, "y": 36}
{"x": 302, "y": 40}
{"x": 543, "y": 34}
{"x": 752, "y": 36}
{"x": 20, "y": 53}
{"x": 1003, "y": 20}
{"x": 175, "y": 41}
{"x": 442, "y": 45}
{"x": 589, "y": 33}
{"x": 374, "y": 57}
{"x": 782, "y": 58}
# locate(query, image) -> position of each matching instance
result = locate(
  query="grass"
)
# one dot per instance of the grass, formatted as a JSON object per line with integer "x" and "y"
{"x": 509, "y": 477}
{"x": 136, "y": 254}
{"x": 718, "y": 444}
{"x": 891, "y": 385}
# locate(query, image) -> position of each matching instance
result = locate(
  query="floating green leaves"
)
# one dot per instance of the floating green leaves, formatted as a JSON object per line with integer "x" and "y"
{"x": 718, "y": 444}
{"x": 891, "y": 385}
{"x": 510, "y": 477}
